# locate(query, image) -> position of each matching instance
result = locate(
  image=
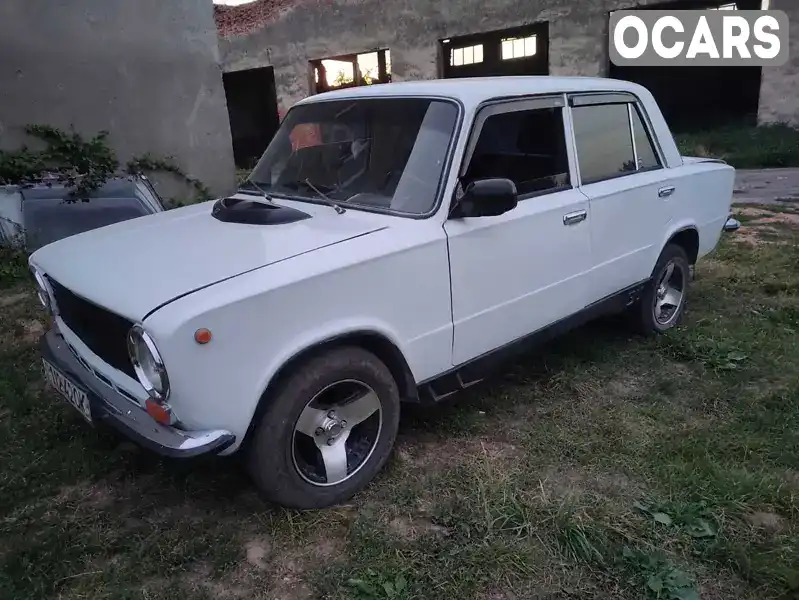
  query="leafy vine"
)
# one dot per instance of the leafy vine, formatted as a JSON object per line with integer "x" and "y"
{"x": 148, "y": 163}
{"x": 83, "y": 165}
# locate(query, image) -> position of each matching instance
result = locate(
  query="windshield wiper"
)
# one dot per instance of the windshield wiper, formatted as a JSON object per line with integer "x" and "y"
{"x": 257, "y": 189}
{"x": 327, "y": 199}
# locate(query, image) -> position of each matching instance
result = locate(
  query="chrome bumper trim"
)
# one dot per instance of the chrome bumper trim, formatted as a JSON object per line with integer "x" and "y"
{"x": 110, "y": 407}
{"x": 732, "y": 224}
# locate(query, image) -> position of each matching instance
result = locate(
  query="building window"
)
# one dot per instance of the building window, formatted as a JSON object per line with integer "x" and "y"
{"x": 466, "y": 56}
{"x": 352, "y": 70}
{"x": 518, "y": 47}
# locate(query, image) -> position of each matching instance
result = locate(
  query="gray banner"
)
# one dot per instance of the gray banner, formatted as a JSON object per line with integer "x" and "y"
{"x": 699, "y": 38}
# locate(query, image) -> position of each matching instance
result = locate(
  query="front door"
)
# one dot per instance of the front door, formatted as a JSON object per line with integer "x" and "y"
{"x": 516, "y": 273}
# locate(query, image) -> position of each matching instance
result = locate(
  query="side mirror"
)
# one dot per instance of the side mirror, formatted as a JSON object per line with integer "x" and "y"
{"x": 486, "y": 198}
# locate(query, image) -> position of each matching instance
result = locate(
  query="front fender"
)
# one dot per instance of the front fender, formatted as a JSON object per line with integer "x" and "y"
{"x": 305, "y": 341}
{"x": 222, "y": 382}
{"x": 260, "y": 320}
{"x": 219, "y": 384}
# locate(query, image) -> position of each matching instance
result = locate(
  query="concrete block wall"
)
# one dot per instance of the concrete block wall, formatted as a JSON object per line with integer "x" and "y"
{"x": 578, "y": 31}
{"x": 411, "y": 29}
{"x": 148, "y": 71}
{"x": 779, "y": 88}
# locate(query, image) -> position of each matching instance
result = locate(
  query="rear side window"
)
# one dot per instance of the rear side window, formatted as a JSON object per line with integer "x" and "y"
{"x": 526, "y": 146}
{"x": 647, "y": 157}
{"x": 604, "y": 143}
{"x": 612, "y": 141}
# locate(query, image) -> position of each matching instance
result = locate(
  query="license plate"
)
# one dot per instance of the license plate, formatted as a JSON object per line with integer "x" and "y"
{"x": 73, "y": 394}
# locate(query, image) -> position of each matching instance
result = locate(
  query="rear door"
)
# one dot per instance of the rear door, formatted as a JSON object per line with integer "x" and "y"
{"x": 518, "y": 272}
{"x": 621, "y": 171}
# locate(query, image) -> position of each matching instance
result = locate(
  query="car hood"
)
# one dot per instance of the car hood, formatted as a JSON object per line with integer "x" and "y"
{"x": 136, "y": 266}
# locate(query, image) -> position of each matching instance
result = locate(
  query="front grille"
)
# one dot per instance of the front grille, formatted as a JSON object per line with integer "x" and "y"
{"x": 102, "y": 331}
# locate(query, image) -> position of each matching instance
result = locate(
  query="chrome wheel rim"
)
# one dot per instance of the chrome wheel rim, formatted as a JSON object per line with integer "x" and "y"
{"x": 336, "y": 433}
{"x": 669, "y": 294}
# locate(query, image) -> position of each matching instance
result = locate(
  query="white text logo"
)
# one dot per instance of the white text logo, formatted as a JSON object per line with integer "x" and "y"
{"x": 699, "y": 37}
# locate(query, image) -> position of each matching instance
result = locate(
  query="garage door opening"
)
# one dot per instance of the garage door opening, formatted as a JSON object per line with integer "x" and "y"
{"x": 700, "y": 98}
{"x": 351, "y": 70}
{"x": 518, "y": 51}
{"x": 252, "y": 110}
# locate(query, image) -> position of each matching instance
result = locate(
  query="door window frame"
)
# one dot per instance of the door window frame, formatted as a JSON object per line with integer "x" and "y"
{"x": 580, "y": 99}
{"x": 520, "y": 104}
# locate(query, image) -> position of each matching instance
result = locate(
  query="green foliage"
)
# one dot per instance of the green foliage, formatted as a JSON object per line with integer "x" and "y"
{"x": 341, "y": 79}
{"x": 662, "y": 579}
{"x": 693, "y": 518}
{"x": 745, "y": 146}
{"x": 84, "y": 165}
{"x": 149, "y": 163}
{"x": 242, "y": 175}
{"x": 19, "y": 166}
{"x": 378, "y": 585}
{"x": 80, "y": 164}
{"x": 13, "y": 266}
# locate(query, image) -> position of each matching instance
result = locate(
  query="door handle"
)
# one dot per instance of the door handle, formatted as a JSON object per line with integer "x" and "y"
{"x": 665, "y": 192}
{"x": 574, "y": 217}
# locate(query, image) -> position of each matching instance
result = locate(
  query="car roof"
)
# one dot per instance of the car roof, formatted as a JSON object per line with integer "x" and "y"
{"x": 475, "y": 90}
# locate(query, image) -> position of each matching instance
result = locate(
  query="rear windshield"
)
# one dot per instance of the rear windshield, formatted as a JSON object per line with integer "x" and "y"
{"x": 48, "y": 220}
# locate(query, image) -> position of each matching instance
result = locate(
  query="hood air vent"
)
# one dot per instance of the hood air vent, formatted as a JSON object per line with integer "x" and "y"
{"x": 252, "y": 212}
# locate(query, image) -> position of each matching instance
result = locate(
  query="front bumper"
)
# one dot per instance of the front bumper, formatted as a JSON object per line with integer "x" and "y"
{"x": 732, "y": 224}
{"x": 110, "y": 407}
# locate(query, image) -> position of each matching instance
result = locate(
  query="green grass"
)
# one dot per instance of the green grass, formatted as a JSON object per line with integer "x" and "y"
{"x": 13, "y": 267}
{"x": 745, "y": 146}
{"x": 606, "y": 466}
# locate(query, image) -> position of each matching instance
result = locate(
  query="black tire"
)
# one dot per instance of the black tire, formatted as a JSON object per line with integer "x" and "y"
{"x": 272, "y": 461}
{"x": 643, "y": 313}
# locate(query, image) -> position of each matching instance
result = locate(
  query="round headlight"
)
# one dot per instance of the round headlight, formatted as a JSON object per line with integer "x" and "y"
{"x": 42, "y": 291}
{"x": 147, "y": 364}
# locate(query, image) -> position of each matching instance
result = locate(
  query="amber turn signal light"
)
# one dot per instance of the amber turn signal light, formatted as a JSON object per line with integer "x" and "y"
{"x": 157, "y": 412}
{"x": 202, "y": 336}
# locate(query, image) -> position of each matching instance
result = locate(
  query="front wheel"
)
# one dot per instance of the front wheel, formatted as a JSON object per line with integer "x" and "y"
{"x": 662, "y": 305}
{"x": 328, "y": 430}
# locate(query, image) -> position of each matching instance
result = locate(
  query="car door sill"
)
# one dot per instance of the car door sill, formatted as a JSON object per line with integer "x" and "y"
{"x": 477, "y": 369}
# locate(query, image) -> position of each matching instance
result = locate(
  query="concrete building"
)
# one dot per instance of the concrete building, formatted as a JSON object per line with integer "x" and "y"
{"x": 779, "y": 91}
{"x": 280, "y": 47}
{"x": 147, "y": 71}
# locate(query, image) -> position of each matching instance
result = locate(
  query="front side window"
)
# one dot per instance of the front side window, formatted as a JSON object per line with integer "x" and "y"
{"x": 383, "y": 153}
{"x": 526, "y": 146}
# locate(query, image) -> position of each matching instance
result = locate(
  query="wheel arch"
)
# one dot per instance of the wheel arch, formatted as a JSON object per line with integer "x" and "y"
{"x": 687, "y": 237}
{"x": 375, "y": 342}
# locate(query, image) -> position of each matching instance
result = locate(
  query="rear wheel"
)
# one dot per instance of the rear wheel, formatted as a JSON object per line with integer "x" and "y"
{"x": 328, "y": 430}
{"x": 662, "y": 305}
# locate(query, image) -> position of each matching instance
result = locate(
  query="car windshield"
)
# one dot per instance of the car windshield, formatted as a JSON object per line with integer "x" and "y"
{"x": 384, "y": 153}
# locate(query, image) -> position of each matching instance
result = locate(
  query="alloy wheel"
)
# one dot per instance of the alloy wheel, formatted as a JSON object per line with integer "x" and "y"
{"x": 669, "y": 293}
{"x": 337, "y": 432}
